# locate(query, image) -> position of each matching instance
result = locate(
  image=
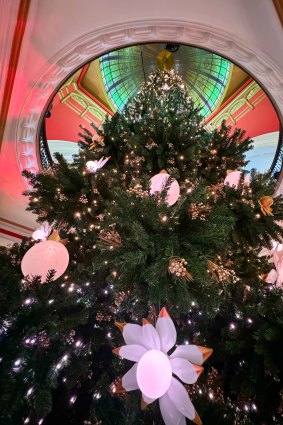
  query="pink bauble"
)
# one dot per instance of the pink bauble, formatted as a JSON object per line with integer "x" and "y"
{"x": 45, "y": 256}
{"x": 157, "y": 184}
{"x": 233, "y": 178}
{"x": 154, "y": 374}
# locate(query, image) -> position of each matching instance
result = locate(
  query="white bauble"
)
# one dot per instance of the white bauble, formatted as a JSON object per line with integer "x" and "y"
{"x": 45, "y": 256}
{"x": 157, "y": 184}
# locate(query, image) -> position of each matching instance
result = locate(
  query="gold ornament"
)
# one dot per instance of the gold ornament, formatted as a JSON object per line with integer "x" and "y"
{"x": 165, "y": 60}
{"x": 177, "y": 268}
{"x": 110, "y": 238}
{"x": 218, "y": 272}
{"x": 56, "y": 237}
{"x": 198, "y": 211}
{"x": 265, "y": 203}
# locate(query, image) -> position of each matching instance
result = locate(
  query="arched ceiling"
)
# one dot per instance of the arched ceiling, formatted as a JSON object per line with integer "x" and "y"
{"x": 205, "y": 74}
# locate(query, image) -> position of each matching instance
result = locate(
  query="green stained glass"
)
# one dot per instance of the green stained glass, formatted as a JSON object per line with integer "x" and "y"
{"x": 205, "y": 74}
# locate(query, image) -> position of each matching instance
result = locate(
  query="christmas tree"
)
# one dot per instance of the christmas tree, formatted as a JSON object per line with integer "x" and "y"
{"x": 158, "y": 213}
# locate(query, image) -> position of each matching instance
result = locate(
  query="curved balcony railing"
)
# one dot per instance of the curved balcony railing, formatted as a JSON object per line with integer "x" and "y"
{"x": 45, "y": 155}
{"x": 276, "y": 166}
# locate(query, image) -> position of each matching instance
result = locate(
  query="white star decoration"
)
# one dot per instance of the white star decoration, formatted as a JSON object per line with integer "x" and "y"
{"x": 154, "y": 369}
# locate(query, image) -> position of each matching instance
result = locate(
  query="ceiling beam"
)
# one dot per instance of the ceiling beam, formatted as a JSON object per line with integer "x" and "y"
{"x": 278, "y": 4}
{"x": 13, "y": 62}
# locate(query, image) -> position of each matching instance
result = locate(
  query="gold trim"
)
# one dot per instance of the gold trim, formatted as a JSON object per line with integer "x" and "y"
{"x": 278, "y": 4}
{"x": 243, "y": 99}
{"x": 15, "y": 224}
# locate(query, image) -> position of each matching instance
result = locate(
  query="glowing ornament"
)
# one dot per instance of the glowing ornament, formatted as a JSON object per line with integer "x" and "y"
{"x": 154, "y": 374}
{"x": 43, "y": 257}
{"x": 93, "y": 166}
{"x": 233, "y": 179}
{"x": 158, "y": 183}
{"x": 153, "y": 370}
{"x": 42, "y": 233}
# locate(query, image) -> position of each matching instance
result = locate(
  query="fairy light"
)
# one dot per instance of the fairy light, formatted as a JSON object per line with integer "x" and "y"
{"x": 73, "y": 399}
{"x": 29, "y": 392}
{"x": 97, "y": 395}
{"x": 26, "y": 420}
{"x": 232, "y": 326}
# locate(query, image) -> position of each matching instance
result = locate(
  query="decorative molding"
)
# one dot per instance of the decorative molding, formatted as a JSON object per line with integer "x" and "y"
{"x": 100, "y": 41}
{"x": 251, "y": 95}
{"x": 81, "y": 103}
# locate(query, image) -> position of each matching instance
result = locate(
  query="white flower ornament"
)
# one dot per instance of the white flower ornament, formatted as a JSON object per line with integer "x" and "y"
{"x": 42, "y": 233}
{"x": 154, "y": 369}
{"x": 93, "y": 166}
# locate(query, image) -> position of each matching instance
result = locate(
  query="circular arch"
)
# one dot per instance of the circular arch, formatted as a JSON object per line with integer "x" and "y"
{"x": 100, "y": 41}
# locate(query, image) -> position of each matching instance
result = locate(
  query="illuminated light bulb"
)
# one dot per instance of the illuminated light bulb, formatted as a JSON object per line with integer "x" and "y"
{"x": 29, "y": 392}
{"x": 65, "y": 357}
{"x": 18, "y": 362}
{"x": 257, "y": 215}
{"x": 50, "y": 301}
{"x": 26, "y": 421}
{"x": 73, "y": 399}
{"x": 210, "y": 395}
{"x": 97, "y": 395}
{"x": 28, "y": 301}
{"x": 232, "y": 326}
{"x": 40, "y": 422}
{"x": 164, "y": 218}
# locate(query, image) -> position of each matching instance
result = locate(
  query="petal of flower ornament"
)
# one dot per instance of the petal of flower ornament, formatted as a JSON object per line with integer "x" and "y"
{"x": 150, "y": 338}
{"x": 170, "y": 413}
{"x": 194, "y": 353}
{"x": 145, "y": 401}
{"x": 129, "y": 380}
{"x": 272, "y": 276}
{"x": 185, "y": 370}
{"x": 132, "y": 333}
{"x": 166, "y": 330}
{"x": 181, "y": 400}
{"x": 131, "y": 352}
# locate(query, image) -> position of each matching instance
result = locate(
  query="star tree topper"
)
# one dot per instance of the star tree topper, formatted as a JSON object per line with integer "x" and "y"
{"x": 153, "y": 370}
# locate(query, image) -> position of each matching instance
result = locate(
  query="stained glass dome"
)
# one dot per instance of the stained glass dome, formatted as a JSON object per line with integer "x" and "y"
{"x": 205, "y": 74}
